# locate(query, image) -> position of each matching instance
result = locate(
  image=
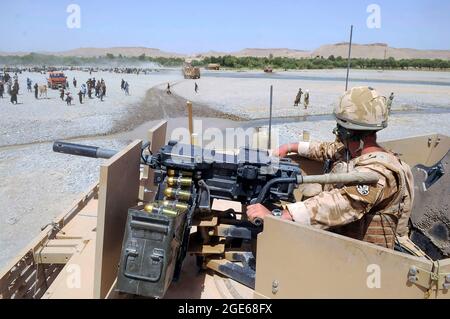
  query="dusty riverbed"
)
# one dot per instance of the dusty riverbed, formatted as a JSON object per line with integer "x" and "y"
{"x": 37, "y": 184}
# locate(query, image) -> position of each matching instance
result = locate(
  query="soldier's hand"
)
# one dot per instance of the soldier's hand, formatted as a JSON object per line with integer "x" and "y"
{"x": 285, "y": 149}
{"x": 257, "y": 211}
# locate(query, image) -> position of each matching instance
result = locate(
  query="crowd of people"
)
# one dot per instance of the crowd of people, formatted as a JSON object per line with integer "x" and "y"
{"x": 91, "y": 89}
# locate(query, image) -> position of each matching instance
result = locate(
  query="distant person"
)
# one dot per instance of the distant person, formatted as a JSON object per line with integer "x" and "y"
{"x": 389, "y": 102}
{"x": 196, "y": 87}
{"x": 168, "y": 89}
{"x": 36, "y": 90}
{"x": 306, "y": 99}
{"x": 2, "y": 89}
{"x": 103, "y": 86}
{"x": 101, "y": 93}
{"x": 83, "y": 90}
{"x": 80, "y": 96}
{"x": 89, "y": 92}
{"x": 97, "y": 89}
{"x": 69, "y": 98}
{"x": 74, "y": 82}
{"x": 14, "y": 93}
{"x": 29, "y": 84}
{"x": 126, "y": 88}
{"x": 61, "y": 93}
{"x": 15, "y": 86}
{"x": 298, "y": 97}
{"x": 122, "y": 85}
{"x": 67, "y": 84}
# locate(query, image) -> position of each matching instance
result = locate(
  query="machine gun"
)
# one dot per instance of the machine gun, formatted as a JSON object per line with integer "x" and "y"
{"x": 188, "y": 178}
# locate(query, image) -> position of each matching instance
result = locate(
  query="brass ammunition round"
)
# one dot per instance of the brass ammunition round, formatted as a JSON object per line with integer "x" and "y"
{"x": 172, "y": 172}
{"x": 149, "y": 208}
{"x": 179, "y": 181}
{"x": 176, "y": 205}
{"x": 177, "y": 194}
{"x": 168, "y": 212}
{"x": 154, "y": 209}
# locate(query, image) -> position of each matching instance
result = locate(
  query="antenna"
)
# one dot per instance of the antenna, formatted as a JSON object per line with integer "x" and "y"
{"x": 349, "y": 56}
{"x": 270, "y": 118}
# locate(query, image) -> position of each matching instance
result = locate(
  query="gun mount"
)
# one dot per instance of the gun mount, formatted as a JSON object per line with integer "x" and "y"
{"x": 189, "y": 178}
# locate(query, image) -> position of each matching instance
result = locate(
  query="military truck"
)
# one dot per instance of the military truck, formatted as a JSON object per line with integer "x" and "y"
{"x": 77, "y": 255}
{"x": 190, "y": 71}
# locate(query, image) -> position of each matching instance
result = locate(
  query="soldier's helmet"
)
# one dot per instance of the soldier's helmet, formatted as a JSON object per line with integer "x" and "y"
{"x": 362, "y": 108}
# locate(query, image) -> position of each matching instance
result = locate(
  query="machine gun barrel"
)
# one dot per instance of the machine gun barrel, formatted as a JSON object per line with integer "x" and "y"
{"x": 82, "y": 150}
{"x": 344, "y": 178}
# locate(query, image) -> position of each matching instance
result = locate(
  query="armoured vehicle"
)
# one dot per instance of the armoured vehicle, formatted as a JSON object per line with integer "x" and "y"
{"x": 78, "y": 254}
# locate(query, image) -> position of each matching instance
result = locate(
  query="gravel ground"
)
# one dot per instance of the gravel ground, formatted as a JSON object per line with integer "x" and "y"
{"x": 249, "y": 97}
{"x": 48, "y": 119}
{"x": 37, "y": 185}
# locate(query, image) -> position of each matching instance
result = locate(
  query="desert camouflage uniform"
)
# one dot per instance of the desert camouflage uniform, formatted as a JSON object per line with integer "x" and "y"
{"x": 373, "y": 213}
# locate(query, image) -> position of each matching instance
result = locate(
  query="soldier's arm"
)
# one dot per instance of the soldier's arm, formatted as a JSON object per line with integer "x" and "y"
{"x": 317, "y": 151}
{"x": 339, "y": 206}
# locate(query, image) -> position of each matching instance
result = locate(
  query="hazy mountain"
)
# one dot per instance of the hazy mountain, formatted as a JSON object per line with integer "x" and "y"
{"x": 374, "y": 50}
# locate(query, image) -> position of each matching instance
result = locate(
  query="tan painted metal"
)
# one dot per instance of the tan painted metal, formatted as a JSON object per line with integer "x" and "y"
{"x": 293, "y": 261}
{"x": 296, "y": 261}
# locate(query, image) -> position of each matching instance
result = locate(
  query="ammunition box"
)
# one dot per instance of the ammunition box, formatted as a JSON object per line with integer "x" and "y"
{"x": 150, "y": 251}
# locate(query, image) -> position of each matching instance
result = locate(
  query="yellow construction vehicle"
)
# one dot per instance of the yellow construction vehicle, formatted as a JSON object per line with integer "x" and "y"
{"x": 190, "y": 72}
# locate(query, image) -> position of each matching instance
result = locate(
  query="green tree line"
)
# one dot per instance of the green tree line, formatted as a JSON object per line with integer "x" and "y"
{"x": 233, "y": 62}
{"x": 323, "y": 63}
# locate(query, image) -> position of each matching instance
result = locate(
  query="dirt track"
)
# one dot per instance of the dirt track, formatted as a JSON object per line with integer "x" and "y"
{"x": 157, "y": 105}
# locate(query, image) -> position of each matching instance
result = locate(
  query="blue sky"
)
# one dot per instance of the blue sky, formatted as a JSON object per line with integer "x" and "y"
{"x": 223, "y": 25}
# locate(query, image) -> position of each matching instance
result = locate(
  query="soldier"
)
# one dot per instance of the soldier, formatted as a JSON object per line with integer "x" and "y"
{"x": 36, "y": 88}
{"x": 376, "y": 213}
{"x": 389, "y": 102}
{"x": 298, "y": 97}
{"x": 306, "y": 99}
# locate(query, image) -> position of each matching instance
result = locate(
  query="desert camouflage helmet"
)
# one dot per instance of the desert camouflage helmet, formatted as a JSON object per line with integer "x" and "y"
{"x": 362, "y": 108}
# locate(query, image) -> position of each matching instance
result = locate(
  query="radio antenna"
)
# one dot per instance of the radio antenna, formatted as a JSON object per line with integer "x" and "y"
{"x": 349, "y": 57}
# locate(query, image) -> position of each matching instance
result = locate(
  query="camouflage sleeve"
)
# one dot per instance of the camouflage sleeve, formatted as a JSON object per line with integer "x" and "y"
{"x": 320, "y": 151}
{"x": 339, "y": 206}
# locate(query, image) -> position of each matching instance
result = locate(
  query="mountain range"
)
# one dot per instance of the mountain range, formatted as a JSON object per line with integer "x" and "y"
{"x": 373, "y": 50}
